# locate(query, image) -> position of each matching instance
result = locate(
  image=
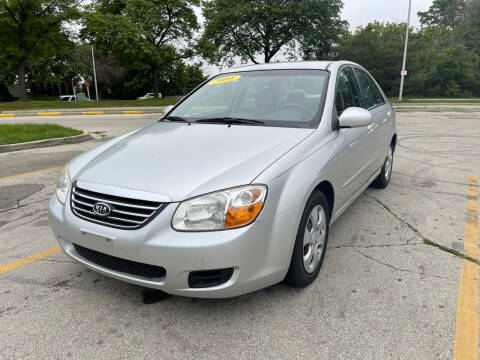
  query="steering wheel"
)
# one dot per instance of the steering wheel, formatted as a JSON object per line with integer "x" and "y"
{"x": 298, "y": 107}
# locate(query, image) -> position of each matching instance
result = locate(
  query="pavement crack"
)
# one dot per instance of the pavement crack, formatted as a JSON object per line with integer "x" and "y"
{"x": 408, "y": 243}
{"x": 385, "y": 264}
{"x": 426, "y": 240}
{"x": 450, "y": 250}
{"x": 21, "y": 206}
{"x": 25, "y": 216}
{"x": 50, "y": 260}
{"x": 410, "y": 226}
{"x": 59, "y": 261}
{"x": 390, "y": 266}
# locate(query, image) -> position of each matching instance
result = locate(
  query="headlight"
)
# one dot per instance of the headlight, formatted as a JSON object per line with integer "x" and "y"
{"x": 220, "y": 210}
{"x": 63, "y": 185}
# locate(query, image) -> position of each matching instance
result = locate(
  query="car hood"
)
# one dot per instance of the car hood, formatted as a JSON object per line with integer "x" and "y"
{"x": 179, "y": 161}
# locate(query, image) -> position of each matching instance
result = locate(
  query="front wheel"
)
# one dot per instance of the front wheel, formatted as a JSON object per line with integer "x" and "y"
{"x": 310, "y": 243}
{"x": 383, "y": 178}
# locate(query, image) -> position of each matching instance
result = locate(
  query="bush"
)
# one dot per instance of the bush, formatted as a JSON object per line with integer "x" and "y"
{"x": 5, "y": 94}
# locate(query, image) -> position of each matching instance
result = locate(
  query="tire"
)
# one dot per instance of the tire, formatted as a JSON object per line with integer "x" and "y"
{"x": 383, "y": 179}
{"x": 303, "y": 271}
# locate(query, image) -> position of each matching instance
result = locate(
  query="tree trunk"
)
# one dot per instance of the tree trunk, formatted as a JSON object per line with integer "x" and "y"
{"x": 155, "y": 81}
{"x": 21, "y": 80}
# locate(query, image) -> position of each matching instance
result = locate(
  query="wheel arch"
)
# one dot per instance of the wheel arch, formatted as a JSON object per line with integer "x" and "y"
{"x": 394, "y": 141}
{"x": 326, "y": 188}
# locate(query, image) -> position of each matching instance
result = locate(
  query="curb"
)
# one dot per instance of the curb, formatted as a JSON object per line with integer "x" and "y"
{"x": 45, "y": 143}
{"x": 80, "y": 112}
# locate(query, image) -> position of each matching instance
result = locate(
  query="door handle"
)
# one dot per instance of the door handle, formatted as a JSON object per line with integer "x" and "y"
{"x": 372, "y": 127}
{"x": 388, "y": 117}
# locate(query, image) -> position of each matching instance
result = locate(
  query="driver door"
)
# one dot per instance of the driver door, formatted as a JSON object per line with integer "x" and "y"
{"x": 354, "y": 153}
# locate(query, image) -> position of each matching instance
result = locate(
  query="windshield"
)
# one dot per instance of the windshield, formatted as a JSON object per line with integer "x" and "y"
{"x": 289, "y": 98}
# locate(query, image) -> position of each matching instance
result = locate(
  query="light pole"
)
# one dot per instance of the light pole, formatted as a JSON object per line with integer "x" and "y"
{"x": 94, "y": 75}
{"x": 404, "y": 72}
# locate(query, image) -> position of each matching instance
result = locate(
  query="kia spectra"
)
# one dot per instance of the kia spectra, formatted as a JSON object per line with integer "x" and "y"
{"x": 235, "y": 187}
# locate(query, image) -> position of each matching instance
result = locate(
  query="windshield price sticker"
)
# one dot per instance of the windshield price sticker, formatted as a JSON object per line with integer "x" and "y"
{"x": 224, "y": 79}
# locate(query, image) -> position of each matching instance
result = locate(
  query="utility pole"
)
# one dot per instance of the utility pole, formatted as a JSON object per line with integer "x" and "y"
{"x": 94, "y": 75}
{"x": 404, "y": 72}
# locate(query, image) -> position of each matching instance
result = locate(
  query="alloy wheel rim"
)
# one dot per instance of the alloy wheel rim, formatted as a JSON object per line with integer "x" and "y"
{"x": 314, "y": 238}
{"x": 388, "y": 164}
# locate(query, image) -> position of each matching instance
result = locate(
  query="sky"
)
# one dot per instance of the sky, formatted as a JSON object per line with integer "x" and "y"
{"x": 362, "y": 12}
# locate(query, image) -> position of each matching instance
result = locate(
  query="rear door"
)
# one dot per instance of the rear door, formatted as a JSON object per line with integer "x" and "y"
{"x": 382, "y": 114}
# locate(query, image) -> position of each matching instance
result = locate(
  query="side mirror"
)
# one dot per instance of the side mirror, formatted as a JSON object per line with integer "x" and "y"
{"x": 166, "y": 110}
{"x": 355, "y": 117}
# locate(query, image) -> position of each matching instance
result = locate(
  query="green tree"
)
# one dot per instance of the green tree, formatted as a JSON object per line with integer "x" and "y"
{"x": 446, "y": 13}
{"x": 6, "y": 75}
{"x": 143, "y": 33}
{"x": 441, "y": 66}
{"x": 451, "y": 46}
{"x": 438, "y": 64}
{"x": 247, "y": 29}
{"x": 179, "y": 78}
{"x": 379, "y": 48}
{"x": 460, "y": 16}
{"x": 33, "y": 30}
{"x": 468, "y": 32}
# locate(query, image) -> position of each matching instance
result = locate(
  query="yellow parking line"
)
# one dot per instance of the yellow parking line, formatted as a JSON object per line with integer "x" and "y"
{"x": 7, "y": 115}
{"x": 50, "y": 113}
{"x": 93, "y": 112}
{"x": 32, "y": 173}
{"x": 132, "y": 111}
{"x": 29, "y": 259}
{"x": 466, "y": 330}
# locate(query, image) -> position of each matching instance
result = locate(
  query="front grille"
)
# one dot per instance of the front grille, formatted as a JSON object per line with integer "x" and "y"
{"x": 120, "y": 265}
{"x": 126, "y": 213}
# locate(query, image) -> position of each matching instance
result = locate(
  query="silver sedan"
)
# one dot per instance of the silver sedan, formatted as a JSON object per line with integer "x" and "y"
{"x": 233, "y": 189}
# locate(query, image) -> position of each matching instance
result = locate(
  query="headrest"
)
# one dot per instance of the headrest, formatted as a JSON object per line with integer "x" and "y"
{"x": 270, "y": 94}
{"x": 297, "y": 97}
{"x": 265, "y": 98}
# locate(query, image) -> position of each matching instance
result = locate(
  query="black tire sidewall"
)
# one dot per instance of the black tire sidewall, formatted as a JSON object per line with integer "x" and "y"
{"x": 297, "y": 276}
{"x": 380, "y": 181}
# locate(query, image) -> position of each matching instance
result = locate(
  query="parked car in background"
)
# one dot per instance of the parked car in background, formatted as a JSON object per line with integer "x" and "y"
{"x": 235, "y": 187}
{"x": 148, "y": 96}
{"x": 67, "y": 98}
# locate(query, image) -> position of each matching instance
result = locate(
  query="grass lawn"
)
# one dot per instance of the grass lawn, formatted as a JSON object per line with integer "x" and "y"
{"x": 49, "y": 104}
{"x": 18, "y": 133}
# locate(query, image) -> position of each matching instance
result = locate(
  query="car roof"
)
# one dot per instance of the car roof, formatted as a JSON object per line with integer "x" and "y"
{"x": 289, "y": 65}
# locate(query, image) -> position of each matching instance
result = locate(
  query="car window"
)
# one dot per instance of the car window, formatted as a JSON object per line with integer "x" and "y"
{"x": 289, "y": 98}
{"x": 371, "y": 94}
{"x": 347, "y": 92}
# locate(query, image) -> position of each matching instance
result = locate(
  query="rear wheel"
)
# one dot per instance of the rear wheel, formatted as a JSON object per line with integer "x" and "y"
{"x": 383, "y": 178}
{"x": 311, "y": 242}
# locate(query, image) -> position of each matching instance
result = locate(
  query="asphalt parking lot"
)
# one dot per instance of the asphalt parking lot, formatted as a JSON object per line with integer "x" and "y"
{"x": 383, "y": 293}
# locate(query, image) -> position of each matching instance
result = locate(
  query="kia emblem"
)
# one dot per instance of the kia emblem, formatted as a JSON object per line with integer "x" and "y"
{"x": 102, "y": 209}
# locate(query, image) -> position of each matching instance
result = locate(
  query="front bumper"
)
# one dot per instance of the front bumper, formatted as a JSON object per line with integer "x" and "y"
{"x": 258, "y": 253}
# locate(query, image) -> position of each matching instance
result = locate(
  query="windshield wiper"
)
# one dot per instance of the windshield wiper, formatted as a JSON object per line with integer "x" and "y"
{"x": 230, "y": 121}
{"x": 175, "y": 118}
